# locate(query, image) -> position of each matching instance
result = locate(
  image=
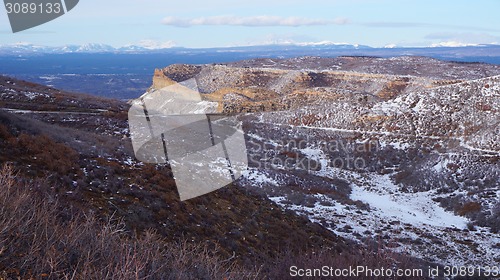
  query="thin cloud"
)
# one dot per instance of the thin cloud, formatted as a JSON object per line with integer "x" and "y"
{"x": 384, "y": 24}
{"x": 254, "y": 21}
{"x": 394, "y": 24}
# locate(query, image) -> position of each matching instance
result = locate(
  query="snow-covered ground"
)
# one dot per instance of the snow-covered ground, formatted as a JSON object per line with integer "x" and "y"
{"x": 416, "y": 209}
{"x": 406, "y": 222}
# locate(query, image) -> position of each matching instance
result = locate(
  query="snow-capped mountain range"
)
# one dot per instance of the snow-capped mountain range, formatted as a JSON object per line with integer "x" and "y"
{"x": 324, "y": 47}
{"x": 26, "y": 48}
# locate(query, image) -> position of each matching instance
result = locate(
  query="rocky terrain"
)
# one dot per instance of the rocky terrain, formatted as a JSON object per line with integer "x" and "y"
{"x": 402, "y": 150}
{"x": 352, "y": 161}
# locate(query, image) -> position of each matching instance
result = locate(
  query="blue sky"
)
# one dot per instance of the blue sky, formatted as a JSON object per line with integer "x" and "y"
{"x": 220, "y": 23}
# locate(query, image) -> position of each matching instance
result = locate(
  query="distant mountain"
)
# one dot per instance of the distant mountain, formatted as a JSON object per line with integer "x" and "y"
{"x": 478, "y": 53}
{"x": 27, "y": 49}
{"x": 87, "y": 48}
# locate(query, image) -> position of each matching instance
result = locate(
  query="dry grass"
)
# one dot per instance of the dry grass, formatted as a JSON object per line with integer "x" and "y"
{"x": 40, "y": 239}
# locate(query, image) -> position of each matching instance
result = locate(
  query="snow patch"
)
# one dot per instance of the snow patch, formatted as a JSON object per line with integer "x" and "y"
{"x": 259, "y": 178}
{"x": 414, "y": 208}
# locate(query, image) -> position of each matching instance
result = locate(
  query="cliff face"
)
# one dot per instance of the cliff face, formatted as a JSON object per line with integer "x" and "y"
{"x": 174, "y": 73}
{"x": 160, "y": 80}
{"x": 252, "y": 90}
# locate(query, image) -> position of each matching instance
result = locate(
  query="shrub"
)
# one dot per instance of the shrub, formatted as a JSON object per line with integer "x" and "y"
{"x": 42, "y": 151}
{"x": 4, "y": 132}
{"x": 40, "y": 239}
{"x": 469, "y": 207}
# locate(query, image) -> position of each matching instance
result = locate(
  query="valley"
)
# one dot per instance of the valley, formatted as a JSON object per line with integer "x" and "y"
{"x": 349, "y": 156}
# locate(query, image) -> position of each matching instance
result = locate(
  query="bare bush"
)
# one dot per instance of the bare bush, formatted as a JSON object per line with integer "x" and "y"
{"x": 38, "y": 241}
{"x": 468, "y": 208}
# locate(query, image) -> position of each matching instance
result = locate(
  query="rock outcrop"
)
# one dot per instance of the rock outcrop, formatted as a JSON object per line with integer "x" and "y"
{"x": 270, "y": 85}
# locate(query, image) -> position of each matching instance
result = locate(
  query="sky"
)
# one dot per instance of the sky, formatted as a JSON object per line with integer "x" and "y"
{"x": 224, "y": 23}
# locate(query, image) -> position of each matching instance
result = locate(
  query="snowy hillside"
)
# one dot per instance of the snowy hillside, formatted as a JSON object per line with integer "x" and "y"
{"x": 399, "y": 153}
